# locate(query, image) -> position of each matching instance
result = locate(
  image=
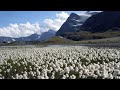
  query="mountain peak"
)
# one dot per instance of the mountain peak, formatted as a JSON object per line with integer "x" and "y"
{"x": 51, "y": 31}
{"x": 46, "y": 35}
{"x": 72, "y": 24}
{"x": 73, "y": 15}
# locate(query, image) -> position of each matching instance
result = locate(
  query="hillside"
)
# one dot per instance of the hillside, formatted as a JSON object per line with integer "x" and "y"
{"x": 112, "y": 40}
{"x": 85, "y": 35}
{"x": 46, "y": 35}
{"x": 57, "y": 40}
{"x": 102, "y": 22}
{"x": 101, "y": 25}
{"x": 72, "y": 24}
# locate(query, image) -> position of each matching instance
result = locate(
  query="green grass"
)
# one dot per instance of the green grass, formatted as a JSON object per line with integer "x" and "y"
{"x": 84, "y": 35}
{"x": 57, "y": 40}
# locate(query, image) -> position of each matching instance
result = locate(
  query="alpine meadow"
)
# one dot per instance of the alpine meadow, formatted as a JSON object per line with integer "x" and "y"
{"x": 60, "y": 45}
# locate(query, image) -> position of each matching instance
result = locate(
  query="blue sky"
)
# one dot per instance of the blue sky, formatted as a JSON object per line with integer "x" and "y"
{"x": 25, "y": 23}
{"x": 7, "y": 17}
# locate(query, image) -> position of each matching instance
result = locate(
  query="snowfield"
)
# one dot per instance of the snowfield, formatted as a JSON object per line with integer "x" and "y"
{"x": 69, "y": 62}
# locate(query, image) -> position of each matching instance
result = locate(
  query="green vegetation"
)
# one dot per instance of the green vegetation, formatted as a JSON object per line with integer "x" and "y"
{"x": 85, "y": 35}
{"x": 57, "y": 40}
{"x": 100, "y": 41}
{"x": 60, "y": 40}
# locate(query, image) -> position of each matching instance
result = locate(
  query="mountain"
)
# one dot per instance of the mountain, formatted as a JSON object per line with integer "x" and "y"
{"x": 33, "y": 37}
{"x": 47, "y": 35}
{"x": 102, "y": 22}
{"x": 101, "y": 25}
{"x": 72, "y": 24}
{"x": 6, "y": 39}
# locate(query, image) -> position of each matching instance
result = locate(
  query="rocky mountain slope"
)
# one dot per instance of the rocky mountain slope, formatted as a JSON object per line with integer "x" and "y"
{"x": 102, "y": 22}
{"x": 72, "y": 24}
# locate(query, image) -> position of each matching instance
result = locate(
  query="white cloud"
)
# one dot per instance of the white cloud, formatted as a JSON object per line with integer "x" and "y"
{"x": 62, "y": 15}
{"x": 95, "y": 11}
{"x": 20, "y": 30}
{"x": 55, "y": 24}
{"x": 84, "y": 14}
{"x": 26, "y": 29}
{"x": 90, "y": 12}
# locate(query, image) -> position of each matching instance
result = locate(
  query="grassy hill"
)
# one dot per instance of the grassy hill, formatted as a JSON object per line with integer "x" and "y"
{"x": 57, "y": 40}
{"x": 99, "y": 41}
{"x": 85, "y": 35}
{"x": 60, "y": 40}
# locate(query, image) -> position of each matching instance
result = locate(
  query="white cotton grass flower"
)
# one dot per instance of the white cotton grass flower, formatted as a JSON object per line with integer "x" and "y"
{"x": 0, "y": 70}
{"x": 67, "y": 69}
{"x": 56, "y": 69}
{"x": 79, "y": 66}
{"x": 20, "y": 77}
{"x": 8, "y": 70}
{"x": 13, "y": 77}
{"x": 71, "y": 68}
{"x": 110, "y": 76}
{"x": 64, "y": 77}
{"x": 46, "y": 77}
{"x": 67, "y": 75}
{"x": 1, "y": 78}
{"x": 76, "y": 69}
{"x": 38, "y": 72}
{"x": 72, "y": 77}
{"x": 25, "y": 76}
{"x": 42, "y": 77}
{"x": 105, "y": 73}
{"x": 31, "y": 72}
{"x": 67, "y": 62}
{"x": 38, "y": 77}
{"x": 52, "y": 77}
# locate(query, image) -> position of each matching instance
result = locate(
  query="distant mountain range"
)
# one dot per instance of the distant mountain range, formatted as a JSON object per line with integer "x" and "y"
{"x": 6, "y": 39}
{"x": 47, "y": 35}
{"x": 33, "y": 37}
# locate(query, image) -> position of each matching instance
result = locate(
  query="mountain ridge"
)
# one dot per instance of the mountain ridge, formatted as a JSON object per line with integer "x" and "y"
{"x": 72, "y": 24}
{"x": 102, "y": 22}
{"x": 32, "y": 37}
{"x": 105, "y": 24}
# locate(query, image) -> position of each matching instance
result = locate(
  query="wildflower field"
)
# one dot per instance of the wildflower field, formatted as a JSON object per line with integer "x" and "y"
{"x": 69, "y": 62}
